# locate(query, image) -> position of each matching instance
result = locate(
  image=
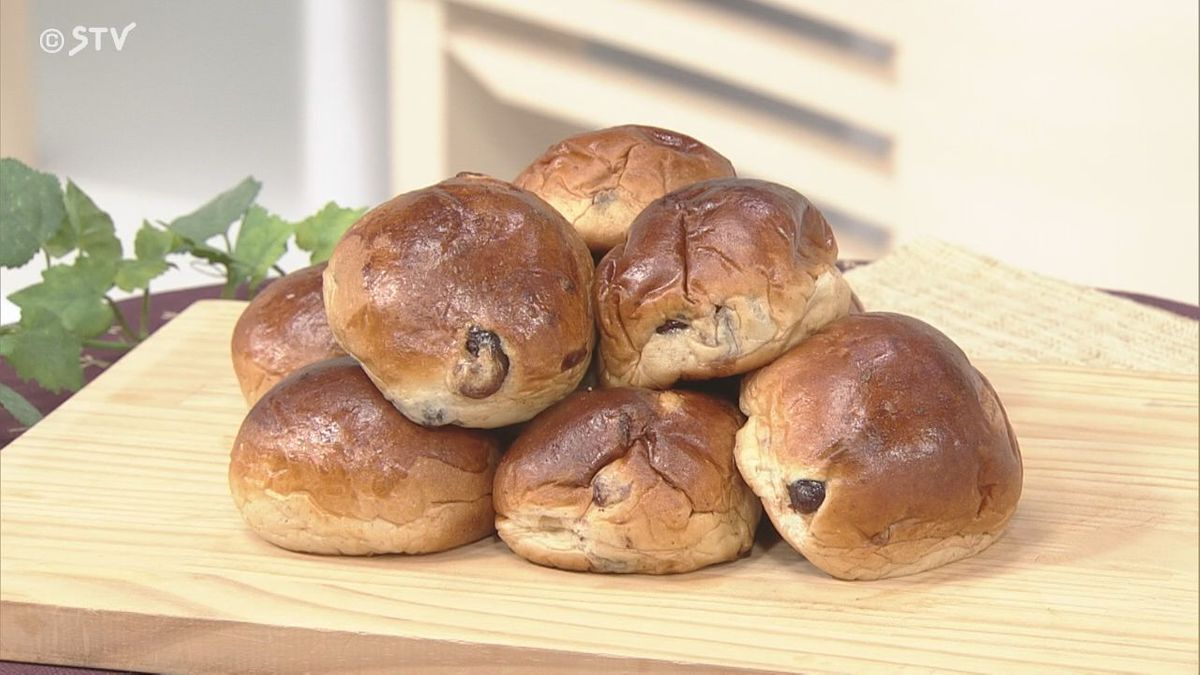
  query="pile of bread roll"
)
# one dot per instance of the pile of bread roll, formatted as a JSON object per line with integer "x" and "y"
{"x": 617, "y": 362}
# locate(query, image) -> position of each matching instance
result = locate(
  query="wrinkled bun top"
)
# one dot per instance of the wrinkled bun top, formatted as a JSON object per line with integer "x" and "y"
{"x": 684, "y": 438}
{"x": 282, "y": 329}
{"x": 601, "y": 180}
{"x": 627, "y": 480}
{"x": 878, "y": 449}
{"x": 324, "y": 463}
{"x": 466, "y": 302}
{"x": 714, "y": 280}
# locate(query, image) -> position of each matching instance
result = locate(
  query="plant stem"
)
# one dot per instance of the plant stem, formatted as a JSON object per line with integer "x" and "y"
{"x": 88, "y": 360}
{"x": 18, "y": 406}
{"x": 279, "y": 269}
{"x": 144, "y": 318}
{"x": 228, "y": 290}
{"x": 209, "y": 269}
{"x": 125, "y": 327}
{"x": 228, "y": 244}
{"x": 47, "y": 255}
{"x": 111, "y": 345}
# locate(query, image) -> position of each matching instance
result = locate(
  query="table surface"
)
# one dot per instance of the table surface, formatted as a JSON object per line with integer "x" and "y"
{"x": 165, "y": 306}
{"x": 1098, "y": 568}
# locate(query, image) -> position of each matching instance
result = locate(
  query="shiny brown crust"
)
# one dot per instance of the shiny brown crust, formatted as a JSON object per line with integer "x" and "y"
{"x": 627, "y": 480}
{"x": 324, "y": 464}
{"x": 715, "y": 279}
{"x": 918, "y": 462}
{"x": 601, "y": 180}
{"x": 282, "y": 329}
{"x": 466, "y": 302}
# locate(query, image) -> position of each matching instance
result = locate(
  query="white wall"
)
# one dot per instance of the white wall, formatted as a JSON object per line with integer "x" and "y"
{"x": 204, "y": 93}
{"x": 1060, "y": 137}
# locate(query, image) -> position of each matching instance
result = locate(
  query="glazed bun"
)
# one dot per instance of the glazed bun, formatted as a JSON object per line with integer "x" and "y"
{"x": 601, "y": 180}
{"x": 324, "y": 464}
{"x": 466, "y": 302}
{"x": 282, "y": 329}
{"x": 627, "y": 480}
{"x": 878, "y": 450}
{"x": 715, "y": 279}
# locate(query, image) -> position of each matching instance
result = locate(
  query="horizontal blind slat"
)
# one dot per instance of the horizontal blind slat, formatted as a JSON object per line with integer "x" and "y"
{"x": 724, "y": 46}
{"x": 566, "y": 84}
{"x": 875, "y": 19}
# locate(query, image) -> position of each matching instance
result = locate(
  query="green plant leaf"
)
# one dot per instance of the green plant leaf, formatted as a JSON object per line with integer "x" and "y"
{"x": 86, "y": 228}
{"x": 137, "y": 274}
{"x": 62, "y": 241}
{"x": 153, "y": 243}
{"x": 31, "y": 210}
{"x": 74, "y": 293}
{"x": 216, "y": 216}
{"x": 261, "y": 241}
{"x": 43, "y": 350}
{"x": 17, "y": 406}
{"x": 320, "y": 232}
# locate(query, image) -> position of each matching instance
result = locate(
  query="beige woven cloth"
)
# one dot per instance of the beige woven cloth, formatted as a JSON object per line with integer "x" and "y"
{"x": 995, "y": 311}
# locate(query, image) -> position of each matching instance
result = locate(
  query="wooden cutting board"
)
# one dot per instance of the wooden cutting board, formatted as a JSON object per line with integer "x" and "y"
{"x": 120, "y": 548}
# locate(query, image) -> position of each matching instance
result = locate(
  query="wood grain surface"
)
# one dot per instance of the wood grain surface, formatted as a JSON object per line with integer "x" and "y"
{"x": 120, "y": 547}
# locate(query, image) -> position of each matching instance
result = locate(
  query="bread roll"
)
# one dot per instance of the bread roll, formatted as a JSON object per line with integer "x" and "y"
{"x": 601, "y": 180}
{"x": 324, "y": 464}
{"x": 627, "y": 480}
{"x": 878, "y": 450}
{"x": 282, "y": 329}
{"x": 715, "y": 279}
{"x": 466, "y": 302}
